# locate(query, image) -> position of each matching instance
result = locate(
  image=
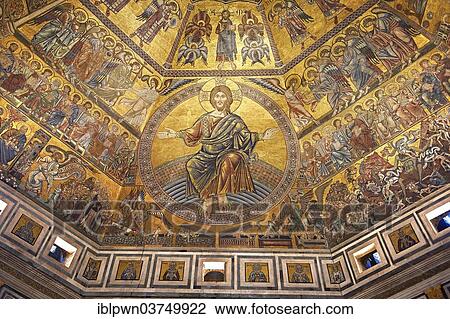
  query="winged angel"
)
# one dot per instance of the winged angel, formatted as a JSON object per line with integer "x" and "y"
{"x": 293, "y": 18}
{"x": 159, "y": 15}
{"x": 57, "y": 166}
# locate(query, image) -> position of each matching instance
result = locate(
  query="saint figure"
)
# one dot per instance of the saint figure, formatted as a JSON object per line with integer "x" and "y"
{"x": 172, "y": 273}
{"x": 129, "y": 273}
{"x": 26, "y": 232}
{"x": 404, "y": 241}
{"x": 299, "y": 275}
{"x": 226, "y": 43}
{"x": 257, "y": 275}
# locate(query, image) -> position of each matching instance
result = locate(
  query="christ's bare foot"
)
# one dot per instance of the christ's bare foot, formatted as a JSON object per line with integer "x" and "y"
{"x": 208, "y": 206}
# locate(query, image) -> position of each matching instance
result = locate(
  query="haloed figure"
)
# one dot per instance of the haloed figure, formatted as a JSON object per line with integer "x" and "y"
{"x": 221, "y": 166}
{"x": 226, "y": 43}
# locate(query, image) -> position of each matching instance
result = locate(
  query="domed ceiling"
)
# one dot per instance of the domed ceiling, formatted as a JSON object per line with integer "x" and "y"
{"x": 224, "y": 124}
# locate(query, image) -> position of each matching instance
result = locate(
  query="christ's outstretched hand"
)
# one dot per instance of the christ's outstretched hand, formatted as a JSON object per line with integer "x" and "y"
{"x": 168, "y": 133}
{"x": 269, "y": 134}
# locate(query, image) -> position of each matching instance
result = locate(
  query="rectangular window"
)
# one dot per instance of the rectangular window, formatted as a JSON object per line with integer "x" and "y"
{"x": 367, "y": 257}
{"x": 214, "y": 265}
{"x": 2, "y": 206}
{"x": 440, "y": 217}
{"x": 371, "y": 259}
{"x": 214, "y": 271}
{"x": 62, "y": 252}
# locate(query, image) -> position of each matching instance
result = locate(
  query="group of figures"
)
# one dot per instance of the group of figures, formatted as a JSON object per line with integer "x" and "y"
{"x": 251, "y": 33}
{"x": 56, "y": 106}
{"x": 378, "y": 180}
{"x": 291, "y": 16}
{"x": 255, "y": 272}
{"x": 354, "y": 62}
{"x": 56, "y": 177}
{"x": 85, "y": 53}
{"x": 98, "y": 65}
{"x": 59, "y": 178}
{"x": 359, "y": 56}
{"x": 250, "y": 30}
{"x": 384, "y": 182}
{"x": 159, "y": 15}
{"x": 393, "y": 109}
{"x": 407, "y": 169}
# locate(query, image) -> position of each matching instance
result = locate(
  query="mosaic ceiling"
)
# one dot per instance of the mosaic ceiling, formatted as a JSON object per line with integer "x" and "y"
{"x": 224, "y": 124}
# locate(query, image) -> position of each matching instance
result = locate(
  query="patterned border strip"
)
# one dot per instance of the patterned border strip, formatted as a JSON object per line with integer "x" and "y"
{"x": 176, "y": 43}
{"x": 273, "y": 45}
{"x": 231, "y": 1}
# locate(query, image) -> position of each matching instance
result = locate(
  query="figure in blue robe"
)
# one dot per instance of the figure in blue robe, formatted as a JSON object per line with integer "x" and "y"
{"x": 12, "y": 143}
{"x": 226, "y": 43}
{"x": 431, "y": 91}
{"x": 340, "y": 152}
{"x": 356, "y": 64}
{"x": 129, "y": 273}
{"x": 52, "y": 35}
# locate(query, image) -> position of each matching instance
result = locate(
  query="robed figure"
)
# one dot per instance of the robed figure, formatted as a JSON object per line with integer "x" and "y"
{"x": 257, "y": 275}
{"x": 299, "y": 275}
{"x": 221, "y": 166}
{"x": 12, "y": 143}
{"x": 159, "y": 15}
{"x": 226, "y": 43}
{"x": 172, "y": 273}
{"x": 129, "y": 273}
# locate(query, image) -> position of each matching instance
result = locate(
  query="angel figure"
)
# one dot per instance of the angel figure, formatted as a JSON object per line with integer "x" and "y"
{"x": 297, "y": 102}
{"x": 159, "y": 15}
{"x": 140, "y": 104}
{"x": 325, "y": 78}
{"x": 356, "y": 59}
{"x": 57, "y": 166}
{"x": 391, "y": 38}
{"x": 144, "y": 98}
{"x": 297, "y": 98}
{"x": 292, "y": 17}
